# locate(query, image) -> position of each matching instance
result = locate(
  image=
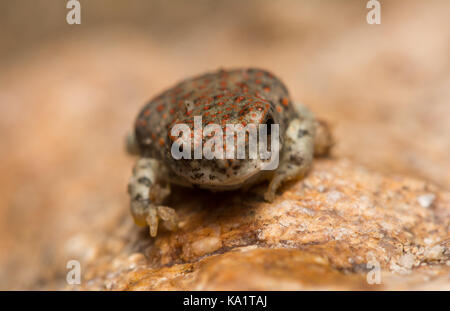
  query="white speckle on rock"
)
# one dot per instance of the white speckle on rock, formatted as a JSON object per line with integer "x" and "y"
{"x": 364, "y": 203}
{"x": 334, "y": 196}
{"x": 426, "y": 200}
{"x": 434, "y": 253}
{"x": 386, "y": 226}
{"x": 285, "y": 223}
{"x": 135, "y": 260}
{"x": 428, "y": 241}
{"x": 306, "y": 210}
{"x": 341, "y": 233}
{"x": 286, "y": 206}
{"x": 398, "y": 269}
{"x": 407, "y": 261}
{"x": 206, "y": 245}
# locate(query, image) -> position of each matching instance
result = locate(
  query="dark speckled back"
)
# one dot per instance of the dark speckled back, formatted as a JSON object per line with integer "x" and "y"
{"x": 225, "y": 97}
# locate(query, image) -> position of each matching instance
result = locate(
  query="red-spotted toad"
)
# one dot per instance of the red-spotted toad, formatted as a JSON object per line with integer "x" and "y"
{"x": 240, "y": 96}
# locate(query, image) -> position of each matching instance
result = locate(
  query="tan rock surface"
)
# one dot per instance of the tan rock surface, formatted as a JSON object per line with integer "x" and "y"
{"x": 66, "y": 103}
{"x": 320, "y": 233}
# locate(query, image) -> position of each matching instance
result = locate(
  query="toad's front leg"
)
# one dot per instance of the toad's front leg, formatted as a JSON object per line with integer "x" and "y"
{"x": 147, "y": 192}
{"x": 305, "y": 137}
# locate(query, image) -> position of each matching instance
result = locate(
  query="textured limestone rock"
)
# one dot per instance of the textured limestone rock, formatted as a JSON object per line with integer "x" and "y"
{"x": 320, "y": 233}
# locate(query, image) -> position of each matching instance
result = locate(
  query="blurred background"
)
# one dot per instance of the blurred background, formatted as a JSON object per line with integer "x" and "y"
{"x": 69, "y": 93}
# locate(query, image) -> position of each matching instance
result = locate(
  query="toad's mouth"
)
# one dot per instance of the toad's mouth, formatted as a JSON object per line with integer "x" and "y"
{"x": 217, "y": 177}
{"x": 236, "y": 182}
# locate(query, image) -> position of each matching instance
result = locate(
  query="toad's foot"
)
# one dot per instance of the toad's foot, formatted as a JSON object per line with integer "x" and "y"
{"x": 323, "y": 139}
{"x": 147, "y": 193}
{"x": 150, "y": 214}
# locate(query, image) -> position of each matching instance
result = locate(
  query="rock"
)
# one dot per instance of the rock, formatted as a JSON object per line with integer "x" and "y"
{"x": 320, "y": 233}
{"x": 426, "y": 200}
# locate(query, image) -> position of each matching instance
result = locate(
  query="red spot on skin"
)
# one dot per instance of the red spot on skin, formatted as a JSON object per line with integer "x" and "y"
{"x": 260, "y": 98}
{"x": 285, "y": 101}
{"x": 240, "y": 98}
